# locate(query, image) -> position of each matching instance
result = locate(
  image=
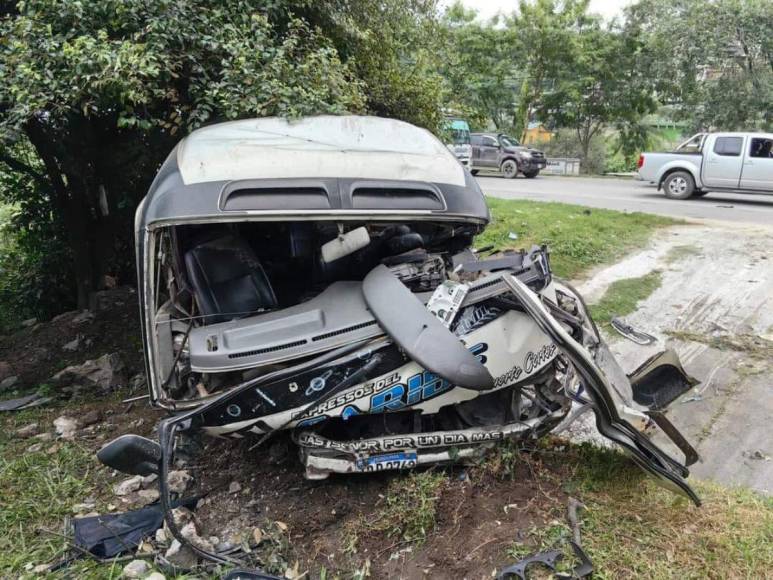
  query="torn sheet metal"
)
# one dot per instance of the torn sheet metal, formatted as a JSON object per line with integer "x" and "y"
{"x": 550, "y": 560}
{"x": 26, "y": 402}
{"x": 660, "y": 380}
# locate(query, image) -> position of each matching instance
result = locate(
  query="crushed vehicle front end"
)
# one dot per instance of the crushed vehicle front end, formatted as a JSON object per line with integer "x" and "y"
{"x": 319, "y": 276}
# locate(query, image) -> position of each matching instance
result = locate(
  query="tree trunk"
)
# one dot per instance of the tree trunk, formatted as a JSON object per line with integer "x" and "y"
{"x": 521, "y": 117}
{"x": 584, "y": 140}
{"x": 80, "y": 231}
{"x": 585, "y": 133}
{"x": 68, "y": 199}
{"x": 525, "y": 121}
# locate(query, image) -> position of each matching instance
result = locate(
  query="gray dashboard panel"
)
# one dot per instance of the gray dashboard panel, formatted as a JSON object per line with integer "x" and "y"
{"x": 335, "y": 317}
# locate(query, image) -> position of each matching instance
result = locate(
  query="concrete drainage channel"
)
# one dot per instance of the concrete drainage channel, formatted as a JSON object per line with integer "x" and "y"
{"x": 715, "y": 307}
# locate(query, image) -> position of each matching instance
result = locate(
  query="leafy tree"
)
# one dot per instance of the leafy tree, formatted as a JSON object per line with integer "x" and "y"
{"x": 479, "y": 68}
{"x": 712, "y": 61}
{"x": 33, "y": 282}
{"x": 392, "y": 46}
{"x": 544, "y": 36}
{"x": 599, "y": 84}
{"x": 502, "y": 69}
{"x": 100, "y": 91}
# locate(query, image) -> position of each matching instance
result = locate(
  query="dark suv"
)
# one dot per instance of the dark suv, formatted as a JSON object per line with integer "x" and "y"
{"x": 503, "y": 153}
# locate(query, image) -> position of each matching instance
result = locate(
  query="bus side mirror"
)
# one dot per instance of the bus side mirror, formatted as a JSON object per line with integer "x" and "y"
{"x": 131, "y": 454}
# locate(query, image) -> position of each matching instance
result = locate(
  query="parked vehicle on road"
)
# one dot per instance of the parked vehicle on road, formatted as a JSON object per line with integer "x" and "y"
{"x": 459, "y": 144}
{"x": 502, "y": 153}
{"x": 741, "y": 162}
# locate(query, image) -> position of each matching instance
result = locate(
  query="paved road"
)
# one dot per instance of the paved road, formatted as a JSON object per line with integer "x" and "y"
{"x": 631, "y": 195}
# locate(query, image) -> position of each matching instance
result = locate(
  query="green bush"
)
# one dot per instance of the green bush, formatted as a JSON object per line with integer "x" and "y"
{"x": 34, "y": 278}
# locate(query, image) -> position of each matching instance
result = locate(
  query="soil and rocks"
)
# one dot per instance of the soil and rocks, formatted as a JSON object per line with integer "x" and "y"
{"x": 76, "y": 351}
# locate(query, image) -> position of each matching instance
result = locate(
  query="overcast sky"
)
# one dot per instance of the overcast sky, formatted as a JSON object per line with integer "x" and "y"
{"x": 487, "y": 8}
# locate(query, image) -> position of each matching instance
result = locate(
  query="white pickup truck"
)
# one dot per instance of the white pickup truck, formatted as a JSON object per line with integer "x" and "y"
{"x": 741, "y": 162}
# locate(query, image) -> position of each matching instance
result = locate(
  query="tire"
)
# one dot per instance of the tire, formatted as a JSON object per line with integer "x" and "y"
{"x": 531, "y": 174}
{"x": 509, "y": 168}
{"x": 474, "y": 171}
{"x": 678, "y": 185}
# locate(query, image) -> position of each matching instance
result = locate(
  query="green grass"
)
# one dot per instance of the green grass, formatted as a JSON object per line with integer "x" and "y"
{"x": 37, "y": 490}
{"x": 622, "y": 297}
{"x": 579, "y": 238}
{"x": 679, "y": 253}
{"x": 406, "y": 513}
{"x": 410, "y": 505}
{"x": 632, "y": 528}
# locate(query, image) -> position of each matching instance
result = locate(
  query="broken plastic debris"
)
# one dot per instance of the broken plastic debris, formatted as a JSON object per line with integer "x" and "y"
{"x": 694, "y": 398}
{"x": 446, "y": 300}
{"x": 23, "y": 403}
{"x": 628, "y": 331}
{"x": 758, "y": 454}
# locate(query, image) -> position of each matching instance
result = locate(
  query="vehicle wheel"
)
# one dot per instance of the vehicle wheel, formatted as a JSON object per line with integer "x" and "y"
{"x": 509, "y": 168}
{"x": 531, "y": 174}
{"x": 474, "y": 171}
{"x": 679, "y": 185}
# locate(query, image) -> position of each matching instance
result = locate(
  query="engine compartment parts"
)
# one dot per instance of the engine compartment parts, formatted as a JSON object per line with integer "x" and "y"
{"x": 446, "y": 300}
{"x": 548, "y": 559}
{"x": 421, "y": 335}
{"x": 582, "y": 569}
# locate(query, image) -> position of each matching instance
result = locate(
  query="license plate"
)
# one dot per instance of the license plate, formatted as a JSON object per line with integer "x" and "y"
{"x": 388, "y": 461}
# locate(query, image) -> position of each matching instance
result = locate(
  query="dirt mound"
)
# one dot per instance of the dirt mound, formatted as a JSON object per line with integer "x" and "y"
{"x": 37, "y": 352}
{"x": 345, "y": 524}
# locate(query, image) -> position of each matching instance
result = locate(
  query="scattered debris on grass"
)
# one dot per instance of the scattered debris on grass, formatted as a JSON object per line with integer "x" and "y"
{"x": 465, "y": 523}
